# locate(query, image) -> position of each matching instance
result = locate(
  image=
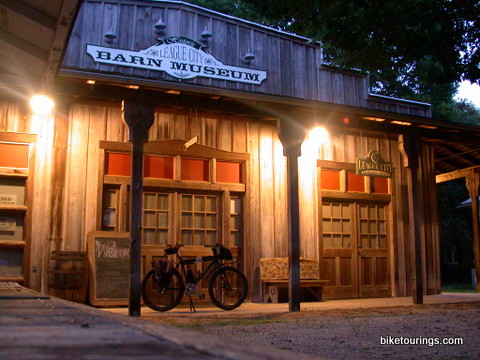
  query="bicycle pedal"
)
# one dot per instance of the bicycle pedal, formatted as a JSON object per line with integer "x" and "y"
{"x": 201, "y": 296}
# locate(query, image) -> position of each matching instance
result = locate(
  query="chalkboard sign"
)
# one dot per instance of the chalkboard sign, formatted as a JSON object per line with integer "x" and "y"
{"x": 109, "y": 258}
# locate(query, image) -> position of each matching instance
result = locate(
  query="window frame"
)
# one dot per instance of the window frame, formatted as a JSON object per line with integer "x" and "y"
{"x": 176, "y": 186}
{"x": 344, "y": 168}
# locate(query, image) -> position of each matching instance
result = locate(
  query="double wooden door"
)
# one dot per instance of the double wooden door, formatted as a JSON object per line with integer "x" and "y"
{"x": 355, "y": 249}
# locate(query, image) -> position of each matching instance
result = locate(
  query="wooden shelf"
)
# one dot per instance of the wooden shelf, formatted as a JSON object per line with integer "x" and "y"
{"x": 19, "y": 279}
{"x": 12, "y": 243}
{"x": 13, "y": 208}
{"x": 14, "y": 173}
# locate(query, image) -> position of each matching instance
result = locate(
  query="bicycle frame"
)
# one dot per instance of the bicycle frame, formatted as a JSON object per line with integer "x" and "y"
{"x": 184, "y": 282}
{"x": 214, "y": 264}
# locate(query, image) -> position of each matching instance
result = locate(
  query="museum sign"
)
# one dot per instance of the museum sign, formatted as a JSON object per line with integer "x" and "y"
{"x": 179, "y": 57}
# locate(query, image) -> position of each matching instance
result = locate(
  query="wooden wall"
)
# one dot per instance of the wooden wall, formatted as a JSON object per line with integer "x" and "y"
{"x": 346, "y": 148}
{"x": 293, "y": 64}
{"x": 67, "y": 178}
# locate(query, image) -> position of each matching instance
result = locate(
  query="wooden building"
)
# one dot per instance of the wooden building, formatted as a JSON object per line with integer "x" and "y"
{"x": 214, "y": 165}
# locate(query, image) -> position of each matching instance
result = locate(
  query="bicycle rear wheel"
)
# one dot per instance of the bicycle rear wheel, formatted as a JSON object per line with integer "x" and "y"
{"x": 162, "y": 297}
{"x": 228, "y": 288}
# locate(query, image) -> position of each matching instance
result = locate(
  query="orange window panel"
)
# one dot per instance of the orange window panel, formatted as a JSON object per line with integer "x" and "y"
{"x": 330, "y": 179}
{"x": 158, "y": 167}
{"x": 229, "y": 172}
{"x": 14, "y": 155}
{"x": 194, "y": 169}
{"x": 355, "y": 182}
{"x": 117, "y": 164}
{"x": 380, "y": 185}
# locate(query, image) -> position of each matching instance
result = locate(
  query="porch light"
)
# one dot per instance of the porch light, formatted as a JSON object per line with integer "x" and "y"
{"x": 372, "y": 118}
{"x": 314, "y": 141}
{"x": 429, "y": 127}
{"x": 41, "y": 104}
{"x": 174, "y": 92}
{"x": 403, "y": 123}
{"x": 319, "y": 135}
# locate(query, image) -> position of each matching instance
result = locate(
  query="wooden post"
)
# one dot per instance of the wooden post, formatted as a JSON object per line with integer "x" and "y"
{"x": 291, "y": 135}
{"x": 139, "y": 118}
{"x": 410, "y": 148}
{"x": 473, "y": 182}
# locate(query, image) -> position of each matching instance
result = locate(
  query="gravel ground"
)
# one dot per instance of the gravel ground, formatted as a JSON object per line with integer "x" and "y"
{"x": 355, "y": 334}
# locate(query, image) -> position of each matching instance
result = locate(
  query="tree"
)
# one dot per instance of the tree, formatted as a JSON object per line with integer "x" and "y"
{"x": 417, "y": 49}
{"x": 455, "y": 228}
{"x": 424, "y": 41}
{"x": 238, "y": 8}
{"x": 466, "y": 112}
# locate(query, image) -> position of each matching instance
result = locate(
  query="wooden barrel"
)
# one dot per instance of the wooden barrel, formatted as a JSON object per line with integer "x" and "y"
{"x": 68, "y": 275}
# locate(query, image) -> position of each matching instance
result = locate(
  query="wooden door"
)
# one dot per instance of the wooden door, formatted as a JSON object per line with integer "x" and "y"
{"x": 373, "y": 268}
{"x": 339, "y": 263}
{"x": 355, "y": 250}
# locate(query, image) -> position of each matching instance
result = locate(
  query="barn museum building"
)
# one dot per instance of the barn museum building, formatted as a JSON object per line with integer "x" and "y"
{"x": 240, "y": 112}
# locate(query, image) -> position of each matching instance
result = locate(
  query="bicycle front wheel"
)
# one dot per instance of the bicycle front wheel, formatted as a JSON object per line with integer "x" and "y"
{"x": 162, "y": 297}
{"x": 228, "y": 288}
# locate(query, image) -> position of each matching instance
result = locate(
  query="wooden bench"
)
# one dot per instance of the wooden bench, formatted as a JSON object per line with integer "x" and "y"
{"x": 274, "y": 278}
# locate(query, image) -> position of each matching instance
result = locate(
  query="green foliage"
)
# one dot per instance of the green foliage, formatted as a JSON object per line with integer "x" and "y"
{"x": 238, "y": 8}
{"x": 455, "y": 223}
{"x": 463, "y": 287}
{"x": 459, "y": 111}
{"x": 414, "y": 49}
{"x": 423, "y": 41}
{"x": 455, "y": 227}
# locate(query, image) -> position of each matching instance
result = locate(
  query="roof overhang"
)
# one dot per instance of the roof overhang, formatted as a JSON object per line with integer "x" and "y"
{"x": 33, "y": 36}
{"x": 456, "y": 146}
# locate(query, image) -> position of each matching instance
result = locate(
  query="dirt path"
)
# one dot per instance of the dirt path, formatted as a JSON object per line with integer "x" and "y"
{"x": 354, "y": 334}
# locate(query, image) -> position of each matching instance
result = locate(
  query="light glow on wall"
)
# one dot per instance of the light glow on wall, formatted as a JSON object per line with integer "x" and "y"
{"x": 317, "y": 138}
{"x": 41, "y": 104}
{"x": 319, "y": 135}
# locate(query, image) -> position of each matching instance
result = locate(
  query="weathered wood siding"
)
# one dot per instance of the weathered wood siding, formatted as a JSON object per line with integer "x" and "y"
{"x": 67, "y": 178}
{"x": 346, "y": 148}
{"x": 294, "y": 67}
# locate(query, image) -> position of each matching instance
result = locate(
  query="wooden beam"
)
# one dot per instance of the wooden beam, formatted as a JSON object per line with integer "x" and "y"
{"x": 409, "y": 146}
{"x": 455, "y": 174}
{"x": 179, "y": 101}
{"x": 456, "y": 157}
{"x": 139, "y": 118}
{"x": 473, "y": 182}
{"x": 175, "y": 147}
{"x": 291, "y": 135}
{"x": 18, "y": 137}
{"x": 24, "y": 45}
{"x": 66, "y": 17}
{"x": 30, "y": 13}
